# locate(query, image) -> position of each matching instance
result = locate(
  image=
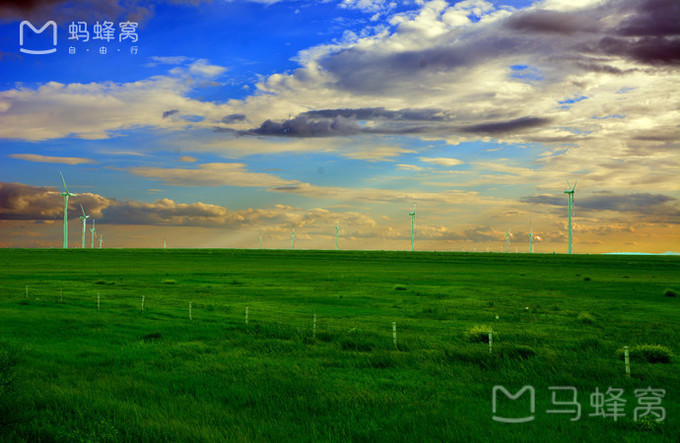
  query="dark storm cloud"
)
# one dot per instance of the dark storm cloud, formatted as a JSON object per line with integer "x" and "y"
{"x": 40, "y": 203}
{"x": 302, "y": 126}
{"x": 506, "y": 126}
{"x": 649, "y": 50}
{"x": 233, "y": 118}
{"x": 380, "y": 113}
{"x": 371, "y": 72}
{"x": 652, "y": 18}
{"x": 167, "y": 114}
{"x": 646, "y": 32}
{"x": 543, "y": 21}
{"x": 65, "y": 10}
{"x": 24, "y": 202}
{"x": 658, "y": 206}
{"x": 344, "y": 122}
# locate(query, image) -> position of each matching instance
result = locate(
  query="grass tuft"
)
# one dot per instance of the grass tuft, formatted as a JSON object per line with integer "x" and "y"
{"x": 669, "y": 293}
{"x": 479, "y": 334}
{"x": 105, "y": 282}
{"x": 153, "y": 336}
{"x": 399, "y": 287}
{"x": 169, "y": 281}
{"x": 586, "y": 318}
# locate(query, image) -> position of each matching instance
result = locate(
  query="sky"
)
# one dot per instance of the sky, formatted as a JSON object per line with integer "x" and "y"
{"x": 212, "y": 124}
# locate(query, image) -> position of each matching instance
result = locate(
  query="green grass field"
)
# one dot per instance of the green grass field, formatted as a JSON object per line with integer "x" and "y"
{"x": 71, "y": 372}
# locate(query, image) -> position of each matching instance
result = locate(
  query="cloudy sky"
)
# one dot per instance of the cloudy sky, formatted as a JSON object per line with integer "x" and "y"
{"x": 212, "y": 123}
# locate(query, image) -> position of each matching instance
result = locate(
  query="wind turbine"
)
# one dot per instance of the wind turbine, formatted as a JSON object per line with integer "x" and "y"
{"x": 84, "y": 218}
{"x": 66, "y": 195}
{"x": 531, "y": 239}
{"x": 507, "y": 240}
{"x": 337, "y": 233}
{"x": 260, "y": 241}
{"x": 165, "y": 244}
{"x": 570, "y": 200}
{"x": 412, "y": 213}
{"x": 92, "y": 231}
{"x": 292, "y": 236}
{"x": 101, "y": 240}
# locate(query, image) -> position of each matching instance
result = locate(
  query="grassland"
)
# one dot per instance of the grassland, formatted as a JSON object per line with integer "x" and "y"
{"x": 120, "y": 374}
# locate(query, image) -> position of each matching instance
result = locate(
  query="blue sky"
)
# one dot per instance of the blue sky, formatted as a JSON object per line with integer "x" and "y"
{"x": 235, "y": 119}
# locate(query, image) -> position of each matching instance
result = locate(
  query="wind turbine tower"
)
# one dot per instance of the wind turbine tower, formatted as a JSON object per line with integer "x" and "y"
{"x": 84, "y": 218}
{"x": 507, "y": 240}
{"x": 66, "y": 195}
{"x": 292, "y": 239}
{"x": 570, "y": 200}
{"x": 531, "y": 239}
{"x": 412, "y": 213}
{"x": 92, "y": 231}
{"x": 260, "y": 241}
{"x": 337, "y": 233}
{"x": 101, "y": 240}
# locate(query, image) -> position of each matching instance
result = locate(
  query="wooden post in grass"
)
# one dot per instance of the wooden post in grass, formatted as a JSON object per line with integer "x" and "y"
{"x": 394, "y": 334}
{"x": 626, "y": 358}
{"x": 314, "y": 328}
{"x": 142, "y": 303}
{"x": 191, "y": 317}
{"x": 246, "y": 314}
{"x": 98, "y": 301}
{"x": 490, "y": 341}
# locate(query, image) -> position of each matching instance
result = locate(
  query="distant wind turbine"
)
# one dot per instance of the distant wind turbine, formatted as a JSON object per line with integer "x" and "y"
{"x": 101, "y": 240}
{"x": 84, "y": 218}
{"x": 412, "y": 213}
{"x": 507, "y": 240}
{"x": 92, "y": 231}
{"x": 337, "y": 233}
{"x": 292, "y": 237}
{"x": 531, "y": 239}
{"x": 260, "y": 241}
{"x": 165, "y": 244}
{"x": 570, "y": 200}
{"x": 66, "y": 195}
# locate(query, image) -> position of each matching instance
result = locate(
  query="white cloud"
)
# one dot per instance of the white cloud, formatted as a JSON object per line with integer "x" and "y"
{"x": 441, "y": 161}
{"x": 50, "y": 159}
{"x": 97, "y": 110}
{"x": 213, "y": 174}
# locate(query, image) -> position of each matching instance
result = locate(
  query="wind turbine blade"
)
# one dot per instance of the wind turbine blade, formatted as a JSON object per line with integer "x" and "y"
{"x": 83, "y": 209}
{"x": 568, "y": 184}
{"x": 63, "y": 181}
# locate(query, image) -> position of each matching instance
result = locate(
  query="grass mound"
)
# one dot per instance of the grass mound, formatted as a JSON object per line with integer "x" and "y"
{"x": 399, "y": 287}
{"x": 153, "y": 336}
{"x": 648, "y": 353}
{"x": 670, "y": 293}
{"x": 519, "y": 352}
{"x": 586, "y": 318}
{"x": 479, "y": 334}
